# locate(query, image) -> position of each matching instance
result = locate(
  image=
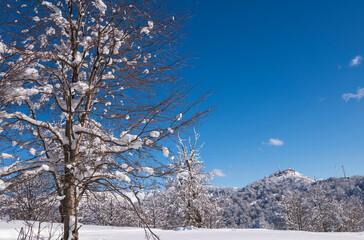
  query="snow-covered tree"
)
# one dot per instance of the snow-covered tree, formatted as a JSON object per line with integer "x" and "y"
{"x": 294, "y": 211}
{"x": 330, "y": 213}
{"x": 31, "y": 200}
{"x": 189, "y": 202}
{"x": 349, "y": 214}
{"x": 322, "y": 210}
{"x": 155, "y": 205}
{"x": 88, "y": 89}
{"x": 108, "y": 209}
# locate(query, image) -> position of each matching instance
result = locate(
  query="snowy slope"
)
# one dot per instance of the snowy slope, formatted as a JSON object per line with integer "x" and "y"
{"x": 8, "y": 232}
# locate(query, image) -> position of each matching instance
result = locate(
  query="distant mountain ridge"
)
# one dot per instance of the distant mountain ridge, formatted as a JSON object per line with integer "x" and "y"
{"x": 259, "y": 204}
{"x": 291, "y": 173}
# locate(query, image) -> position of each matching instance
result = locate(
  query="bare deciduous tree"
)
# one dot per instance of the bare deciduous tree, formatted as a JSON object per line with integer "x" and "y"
{"x": 89, "y": 88}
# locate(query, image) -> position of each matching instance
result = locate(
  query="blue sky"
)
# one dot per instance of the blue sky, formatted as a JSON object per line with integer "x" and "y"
{"x": 279, "y": 70}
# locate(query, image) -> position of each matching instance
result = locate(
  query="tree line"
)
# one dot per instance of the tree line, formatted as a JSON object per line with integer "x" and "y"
{"x": 187, "y": 199}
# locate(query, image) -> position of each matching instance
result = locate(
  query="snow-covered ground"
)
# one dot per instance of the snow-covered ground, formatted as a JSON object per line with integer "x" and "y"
{"x": 8, "y": 232}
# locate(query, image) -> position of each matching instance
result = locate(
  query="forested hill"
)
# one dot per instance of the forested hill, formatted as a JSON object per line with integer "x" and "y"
{"x": 290, "y": 200}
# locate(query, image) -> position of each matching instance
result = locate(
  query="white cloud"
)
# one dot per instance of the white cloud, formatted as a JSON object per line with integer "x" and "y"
{"x": 359, "y": 94}
{"x": 218, "y": 173}
{"x": 355, "y": 61}
{"x": 275, "y": 142}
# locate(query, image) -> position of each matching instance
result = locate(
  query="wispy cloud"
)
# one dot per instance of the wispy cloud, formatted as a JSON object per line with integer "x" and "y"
{"x": 274, "y": 142}
{"x": 356, "y": 61}
{"x": 358, "y": 95}
{"x": 218, "y": 173}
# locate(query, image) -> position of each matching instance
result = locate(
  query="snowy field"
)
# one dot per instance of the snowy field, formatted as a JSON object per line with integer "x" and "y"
{"x": 8, "y": 232}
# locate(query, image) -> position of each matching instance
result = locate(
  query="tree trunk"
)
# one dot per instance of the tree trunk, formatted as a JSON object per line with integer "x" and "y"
{"x": 70, "y": 203}
{"x": 70, "y": 210}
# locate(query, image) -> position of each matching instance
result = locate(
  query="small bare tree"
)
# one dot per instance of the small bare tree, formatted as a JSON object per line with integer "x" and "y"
{"x": 189, "y": 202}
{"x": 32, "y": 200}
{"x": 155, "y": 205}
{"x": 89, "y": 89}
